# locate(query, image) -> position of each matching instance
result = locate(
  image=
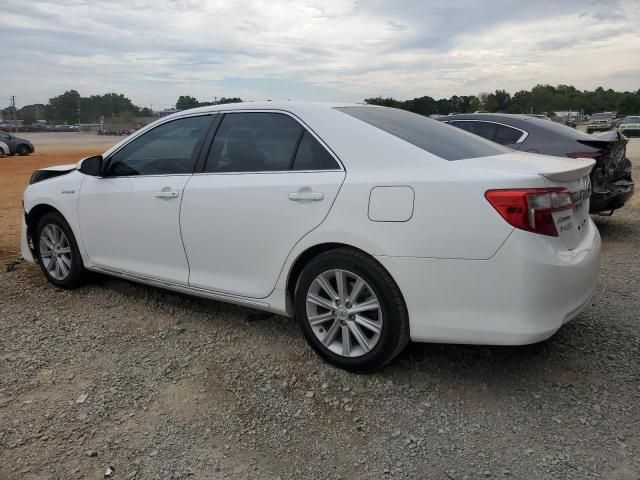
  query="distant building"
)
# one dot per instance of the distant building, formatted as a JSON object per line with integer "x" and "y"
{"x": 169, "y": 111}
{"x": 567, "y": 115}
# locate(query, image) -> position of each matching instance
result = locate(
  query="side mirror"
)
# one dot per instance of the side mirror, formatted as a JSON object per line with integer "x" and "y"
{"x": 92, "y": 166}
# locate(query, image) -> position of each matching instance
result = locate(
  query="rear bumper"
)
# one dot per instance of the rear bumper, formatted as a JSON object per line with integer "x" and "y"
{"x": 522, "y": 295}
{"x": 621, "y": 191}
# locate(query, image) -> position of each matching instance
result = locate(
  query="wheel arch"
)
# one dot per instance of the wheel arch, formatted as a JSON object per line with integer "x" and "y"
{"x": 312, "y": 252}
{"x": 35, "y": 214}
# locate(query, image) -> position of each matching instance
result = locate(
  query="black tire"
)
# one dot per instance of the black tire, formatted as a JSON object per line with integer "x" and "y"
{"x": 76, "y": 274}
{"x": 23, "y": 150}
{"x": 394, "y": 335}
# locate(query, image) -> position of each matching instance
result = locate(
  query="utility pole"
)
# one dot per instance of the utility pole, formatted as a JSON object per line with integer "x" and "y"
{"x": 15, "y": 113}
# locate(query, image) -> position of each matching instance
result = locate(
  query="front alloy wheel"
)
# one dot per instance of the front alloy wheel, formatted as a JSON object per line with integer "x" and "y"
{"x": 57, "y": 252}
{"x": 351, "y": 311}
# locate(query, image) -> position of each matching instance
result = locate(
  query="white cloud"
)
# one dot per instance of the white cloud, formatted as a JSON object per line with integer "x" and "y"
{"x": 154, "y": 51}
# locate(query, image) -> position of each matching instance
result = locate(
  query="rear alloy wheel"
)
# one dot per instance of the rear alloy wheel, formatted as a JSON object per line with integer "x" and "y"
{"x": 23, "y": 150}
{"x": 58, "y": 253}
{"x": 351, "y": 311}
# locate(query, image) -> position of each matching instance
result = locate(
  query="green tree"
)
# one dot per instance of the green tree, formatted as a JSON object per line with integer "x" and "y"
{"x": 503, "y": 100}
{"x": 229, "y": 100}
{"x": 628, "y": 104}
{"x": 185, "y": 102}
{"x": 475, "y": 105}
{"x": 65, "y": 108}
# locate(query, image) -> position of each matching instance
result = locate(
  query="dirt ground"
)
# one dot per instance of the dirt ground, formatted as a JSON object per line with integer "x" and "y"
{"x": 135, "y": 382}
{"x": 51, "y": 149}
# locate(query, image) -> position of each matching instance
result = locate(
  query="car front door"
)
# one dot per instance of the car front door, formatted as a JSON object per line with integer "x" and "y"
{"x": 267, "y": 182}
{"x": 129, "y": 217}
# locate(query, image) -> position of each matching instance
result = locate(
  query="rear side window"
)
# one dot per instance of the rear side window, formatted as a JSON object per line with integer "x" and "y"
{"x": 430, "y": 135}
{"x": 167, "y": 149}
{"x": 507, "y": 135}
{"x": 313, "y": 156}
{"x": 483, "y": 129}
{"x": 254, "y": 142}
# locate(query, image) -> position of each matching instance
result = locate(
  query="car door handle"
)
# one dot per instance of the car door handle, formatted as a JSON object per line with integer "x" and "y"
{"x": 167, "y": 194}
{"x": 306, "y": 196}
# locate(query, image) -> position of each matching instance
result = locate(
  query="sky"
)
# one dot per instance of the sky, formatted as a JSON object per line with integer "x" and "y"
{"x": 156, "y": 50}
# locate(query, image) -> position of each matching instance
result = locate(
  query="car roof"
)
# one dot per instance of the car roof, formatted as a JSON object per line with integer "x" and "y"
{"x": 288, "y": 106}
{"x": 491, "y": 116}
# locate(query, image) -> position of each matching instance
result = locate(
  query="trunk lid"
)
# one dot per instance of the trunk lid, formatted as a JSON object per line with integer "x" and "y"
{"x": 553, "y": 168}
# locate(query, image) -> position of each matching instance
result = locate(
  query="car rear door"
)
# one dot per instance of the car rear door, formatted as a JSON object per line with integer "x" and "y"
{"x": 267, "y": 181}
{"x": 129, "y": 217}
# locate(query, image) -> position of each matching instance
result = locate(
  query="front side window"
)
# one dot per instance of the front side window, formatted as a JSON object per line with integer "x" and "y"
{"x": 254, "y": 142}
{"x": 165, "y": 150}
{"x": 4, "y": 136}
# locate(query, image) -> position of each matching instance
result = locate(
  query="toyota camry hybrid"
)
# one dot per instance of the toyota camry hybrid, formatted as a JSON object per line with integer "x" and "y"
{"x": 372, "y": 226}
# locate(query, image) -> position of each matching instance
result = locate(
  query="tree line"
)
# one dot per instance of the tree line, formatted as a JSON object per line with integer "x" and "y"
{"x": 72, "y": 108}
{"x": 540, "y": 99}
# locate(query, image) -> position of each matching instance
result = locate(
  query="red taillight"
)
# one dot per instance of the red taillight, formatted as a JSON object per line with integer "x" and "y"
{"x": 531, "y": 208}
{"x": 594, "y": 155}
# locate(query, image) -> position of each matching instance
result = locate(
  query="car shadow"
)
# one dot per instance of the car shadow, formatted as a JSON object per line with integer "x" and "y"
{"x": 495, "y": 367}
{"x": 613, "y": 228}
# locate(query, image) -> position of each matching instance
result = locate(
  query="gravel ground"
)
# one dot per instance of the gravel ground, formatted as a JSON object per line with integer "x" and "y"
{"x": 129, "y": 381}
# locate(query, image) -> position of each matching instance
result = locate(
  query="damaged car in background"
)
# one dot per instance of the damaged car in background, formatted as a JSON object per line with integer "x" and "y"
{"x": 611, "y": 176}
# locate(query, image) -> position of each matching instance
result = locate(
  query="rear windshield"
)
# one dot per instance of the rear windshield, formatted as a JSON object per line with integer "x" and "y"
{"x": 430, "y": 135}
{"x": 558, "y": 128}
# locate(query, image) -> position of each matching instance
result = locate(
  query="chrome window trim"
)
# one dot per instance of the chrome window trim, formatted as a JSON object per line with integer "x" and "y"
{"x": 224, "y": 112}
{"x": 522, "y": 138}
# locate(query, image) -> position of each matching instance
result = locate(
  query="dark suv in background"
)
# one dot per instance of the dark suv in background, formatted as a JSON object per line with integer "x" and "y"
{"x": 611, "y": 176}
{"x": 16, "y": 145}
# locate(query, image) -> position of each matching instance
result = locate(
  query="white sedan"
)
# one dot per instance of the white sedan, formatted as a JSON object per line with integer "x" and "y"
{"x": 372, "y": 226}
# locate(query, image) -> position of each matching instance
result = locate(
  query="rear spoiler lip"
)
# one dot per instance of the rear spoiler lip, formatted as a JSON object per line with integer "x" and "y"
{"x": 577, "y": 171}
